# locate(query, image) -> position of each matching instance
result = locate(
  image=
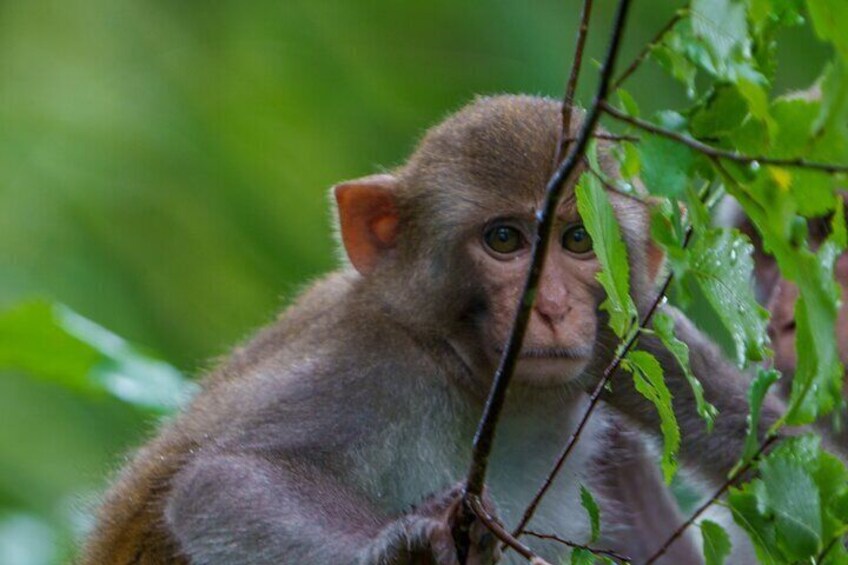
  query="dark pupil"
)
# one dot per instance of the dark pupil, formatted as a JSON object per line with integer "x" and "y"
{"x": 503, "y": 239}
{"x": 577, "y": 240}
{"x": 504, "y": 235}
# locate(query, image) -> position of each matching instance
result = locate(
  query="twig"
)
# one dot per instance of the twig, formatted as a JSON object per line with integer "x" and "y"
{"x": 497, "y": 395}
{"x": 727, "y": 484}
{"x": 593, "y": 401}
{"x": 571, "y": 86}
{"x": 828, "y": 547}
{"x": 717, "y": 153}
{"x": 484, "y": 436}
{"x": 499, "y": 531}
{"x": 606, "y": 552}
{"x": 607, "y": 137}
{"x": 640, "y": 58}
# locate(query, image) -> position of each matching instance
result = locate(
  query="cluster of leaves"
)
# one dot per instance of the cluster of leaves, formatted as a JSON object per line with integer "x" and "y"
{"x": 736, "y": 137}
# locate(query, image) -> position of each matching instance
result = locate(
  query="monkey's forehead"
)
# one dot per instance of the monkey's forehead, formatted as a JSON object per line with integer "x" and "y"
{"x": 500, "y": 147}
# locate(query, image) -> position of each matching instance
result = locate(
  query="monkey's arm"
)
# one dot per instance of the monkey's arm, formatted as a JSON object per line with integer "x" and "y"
{"x": 724, "y": 386}
{"x": 634, "y": 497}
{"x": 251, "y": 509}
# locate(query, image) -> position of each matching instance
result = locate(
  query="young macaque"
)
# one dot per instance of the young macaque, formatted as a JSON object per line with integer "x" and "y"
{"x": 340, "y": 433}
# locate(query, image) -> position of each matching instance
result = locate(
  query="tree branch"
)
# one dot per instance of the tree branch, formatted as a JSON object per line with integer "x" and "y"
{"x": 769, "y": 440}
{"x": 605, "y": 552}
{"x": 503, "y": 535}
{"x": 640, "y": 58}
{"x": 828, "y": 547}
{"x": 571, "y": 86}
{"x": 606, "y": 136}
{"x": 717, "y": 153}
{"x": 564, "y": 173}
{"x": 497, "y": 395}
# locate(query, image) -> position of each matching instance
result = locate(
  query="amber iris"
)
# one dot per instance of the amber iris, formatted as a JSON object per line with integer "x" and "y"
{"x": 576, "y": 239}
{"x": 504, "y": 239}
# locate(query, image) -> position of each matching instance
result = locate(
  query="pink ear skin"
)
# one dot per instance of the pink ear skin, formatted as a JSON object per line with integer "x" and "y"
{"x": 368, "y": 219}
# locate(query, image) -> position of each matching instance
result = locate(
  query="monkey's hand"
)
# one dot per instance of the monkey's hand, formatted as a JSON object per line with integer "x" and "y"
{"x": 425, "y": 535}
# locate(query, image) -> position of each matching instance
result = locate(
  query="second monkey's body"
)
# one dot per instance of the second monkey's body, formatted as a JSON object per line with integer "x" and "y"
{"x": 336, "y": 434}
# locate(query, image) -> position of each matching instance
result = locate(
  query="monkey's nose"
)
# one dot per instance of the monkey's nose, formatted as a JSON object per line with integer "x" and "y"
{"x": 552, "y": 308}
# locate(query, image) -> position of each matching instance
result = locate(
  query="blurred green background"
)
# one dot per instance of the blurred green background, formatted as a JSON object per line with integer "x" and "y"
{"x": 164, "y": 171}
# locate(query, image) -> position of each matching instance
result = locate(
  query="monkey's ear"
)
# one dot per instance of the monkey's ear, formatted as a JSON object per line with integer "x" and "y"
{"x": 368, "y": 219}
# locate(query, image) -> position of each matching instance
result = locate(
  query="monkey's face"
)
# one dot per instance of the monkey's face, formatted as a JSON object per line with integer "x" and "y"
{"x": 561, "y": 334}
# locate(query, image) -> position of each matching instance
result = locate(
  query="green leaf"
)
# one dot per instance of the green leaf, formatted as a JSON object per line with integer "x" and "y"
{"x": 723, "y": 112}
{"x": 664, "y": 327}
{"x": 580, "y": 556}
{"x": 666, "y": 165}
{"x": 628, "y": 103}
{"x": 86, "y": 357}
{"x": 598, "y": 218}
{"x": 817, "y": 384}
{"x": 833, "y": 112}
{"x": 716, "y": 543}
{"x": 829, "y": 19}
{"x": 648, "y": 377}
{"x": 588, "y": 502}
{"x": 671, "y": 56}
{"x": 721, "y": 266}
{"x": 839, "y": 228}
{"x": 756, "y": 393}
{"x": 748, "y": 505}
{"x": 794, "y": 498}
{"x": 29, "y": 331}
{"x": 722, "y": 26}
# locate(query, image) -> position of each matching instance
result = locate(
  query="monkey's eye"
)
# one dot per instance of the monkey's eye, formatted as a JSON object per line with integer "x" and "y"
{"x": 503, "y": 239}
{"x": 576, "y": 239}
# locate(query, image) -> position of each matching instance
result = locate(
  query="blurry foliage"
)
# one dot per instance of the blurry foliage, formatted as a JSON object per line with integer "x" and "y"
{"x": 164, "y": 168}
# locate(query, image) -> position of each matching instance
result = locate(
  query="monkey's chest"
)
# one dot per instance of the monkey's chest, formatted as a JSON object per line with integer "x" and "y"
{"x": 522, "y": 459}
{"x": 411, "y": 459}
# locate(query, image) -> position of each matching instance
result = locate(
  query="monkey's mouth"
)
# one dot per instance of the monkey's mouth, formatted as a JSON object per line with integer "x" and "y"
{"x": 579, "y": 353}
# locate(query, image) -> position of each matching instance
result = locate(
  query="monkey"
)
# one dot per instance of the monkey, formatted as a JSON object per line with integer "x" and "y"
{"x": 341, "y": 433}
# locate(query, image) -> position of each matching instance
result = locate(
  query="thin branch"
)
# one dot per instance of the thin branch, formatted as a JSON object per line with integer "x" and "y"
{"x": 717, "y": 153}
{"x": 498, "y": 530}
{"x": 828, "y": 547}
{"x": 497, "y": 395}
{"x": 769, "y": 440}
{"x": 640, "y": 58}
{"x": 606, "y": 137}
{"x": 605, "y": 552}
{"x": 564, "y": 173}
{"x": 593, "y": 401}
{"x": 571, "y": 86}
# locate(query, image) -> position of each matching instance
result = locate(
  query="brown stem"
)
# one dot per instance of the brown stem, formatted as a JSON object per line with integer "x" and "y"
{"x": 607, "y": 137}
{"x": 494, "y": 404}
{"x": 640, "y": 58}
{"x": 498, "y": 530}
{"x": 497, "y": 395}
{"x": 571, "y": 86}
{"x": 605, "y": 552}
{"x": 726, "y": 485}
{"x": 715, "y": 152}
